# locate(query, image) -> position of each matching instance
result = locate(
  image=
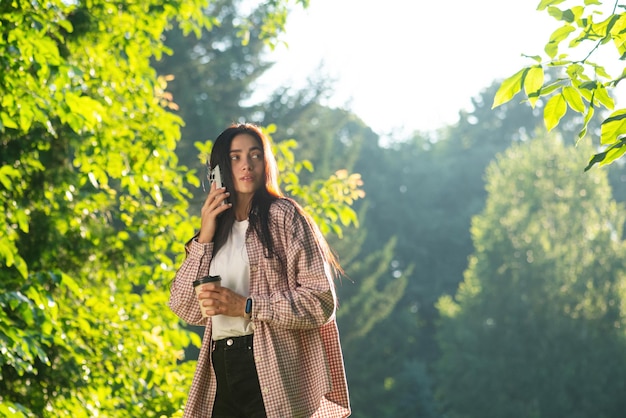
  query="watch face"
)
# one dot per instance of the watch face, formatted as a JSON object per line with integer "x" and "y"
{"x": 248, "y": 305}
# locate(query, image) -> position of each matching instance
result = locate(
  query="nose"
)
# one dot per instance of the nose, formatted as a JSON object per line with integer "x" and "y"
{"x": 248, "y": 163}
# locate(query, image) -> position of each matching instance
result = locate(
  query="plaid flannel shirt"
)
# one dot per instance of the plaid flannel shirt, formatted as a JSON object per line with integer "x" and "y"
{"x": 296, "y": 340}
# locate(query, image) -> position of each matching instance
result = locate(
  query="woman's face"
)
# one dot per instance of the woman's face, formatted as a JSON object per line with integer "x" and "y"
{"x": 247, "y": 163}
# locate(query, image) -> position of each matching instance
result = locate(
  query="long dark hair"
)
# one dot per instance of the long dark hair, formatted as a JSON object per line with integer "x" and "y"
{"x": 263, "y": 198}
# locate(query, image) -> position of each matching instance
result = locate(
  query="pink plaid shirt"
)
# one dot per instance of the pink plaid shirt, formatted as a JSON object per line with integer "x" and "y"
{"x": 296, "y": 340}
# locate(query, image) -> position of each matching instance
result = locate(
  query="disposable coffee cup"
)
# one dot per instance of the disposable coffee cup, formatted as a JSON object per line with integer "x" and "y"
{"x": 197, "y": 283}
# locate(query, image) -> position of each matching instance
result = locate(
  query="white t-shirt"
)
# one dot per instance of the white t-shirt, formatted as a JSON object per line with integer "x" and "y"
{"x": 231, "y": 263}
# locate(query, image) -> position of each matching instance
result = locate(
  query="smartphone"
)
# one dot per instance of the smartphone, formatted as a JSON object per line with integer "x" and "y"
{"x": 215, "y": 176}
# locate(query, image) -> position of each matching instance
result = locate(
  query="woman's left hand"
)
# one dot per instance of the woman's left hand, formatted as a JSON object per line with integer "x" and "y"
{"x": 218, "y": 300}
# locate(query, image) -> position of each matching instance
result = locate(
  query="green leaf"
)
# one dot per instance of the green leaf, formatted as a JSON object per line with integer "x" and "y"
{"x": 509, "y": 88}
{"x": 575, "y": 71}
{"x": 613, "y": 127}
{"x": 7, "y": 252}
{"x": 601, "y": 71}
{"x": 588, "y": 116}
{"x": 71, "y": 284}
{"x": 602, "y": 96}
{"x": 614, "y": 152}
{"x": 347, "y": 216}
{"x": 554, "y": 111}
{"x": 533, "y": 81}
{"x": 7, "y": 174}
{"x": 7, "y": 121}
{"x": 595, "y": 159}
{"x": 26, "y": 118}
{"x": 552, "y": 47}
{"x": 552, "y": 87}
{"x": 90, "y": 110}
{"x": 21, "y": 266}
{"x": 574, "y": 99}
{"x": 536, "y": 58}
{"x": 588, "y": 85}
{"x": 564, "y": 15}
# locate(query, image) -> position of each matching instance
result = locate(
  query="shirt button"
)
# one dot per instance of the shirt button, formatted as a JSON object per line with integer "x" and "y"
{"x": 248, "y": 240}
{"x": 254, "y": 268}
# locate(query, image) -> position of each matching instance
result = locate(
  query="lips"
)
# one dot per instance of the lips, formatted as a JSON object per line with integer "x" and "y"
{"x": 246, "y": 178}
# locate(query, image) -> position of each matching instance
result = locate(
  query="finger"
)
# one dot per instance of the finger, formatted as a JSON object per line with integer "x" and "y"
{"x": 216, "y": 198}
{"x": 208, "y": 200}
{"x": 223, "y": 208}
{"x": 221, "y": 197}
{"x": 212, "y": 190}
{"x": 208, "y": 295}
{"x": 214, "y": 306}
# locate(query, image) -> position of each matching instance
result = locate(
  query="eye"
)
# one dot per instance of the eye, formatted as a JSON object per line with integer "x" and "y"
{"x": 234, "y": 157}
{"x": 256, "y": 156}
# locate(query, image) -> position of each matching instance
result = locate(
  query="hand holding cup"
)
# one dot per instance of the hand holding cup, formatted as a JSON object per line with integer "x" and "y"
{"x": 199, "y": 288}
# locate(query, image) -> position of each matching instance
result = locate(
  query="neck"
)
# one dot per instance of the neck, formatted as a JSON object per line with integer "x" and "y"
{"x": 243, "y": 207}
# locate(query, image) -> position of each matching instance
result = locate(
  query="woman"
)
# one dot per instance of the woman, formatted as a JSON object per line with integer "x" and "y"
{"x": 271, "y": 345}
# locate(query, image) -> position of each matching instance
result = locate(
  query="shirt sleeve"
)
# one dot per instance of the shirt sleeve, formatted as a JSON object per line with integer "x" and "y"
{"x": 309, "y": 300}
{"x": 183, "y": 301}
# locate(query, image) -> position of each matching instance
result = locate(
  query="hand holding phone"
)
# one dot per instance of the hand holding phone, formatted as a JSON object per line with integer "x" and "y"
{"x": 208, "y": 216}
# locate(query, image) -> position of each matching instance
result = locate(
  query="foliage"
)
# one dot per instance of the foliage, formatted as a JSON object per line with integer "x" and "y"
{"x": 214, "y": 72}
{"x": 85, "y": 235}
{"x": 541, "y": 307}
{"x": 95, "y": 209}
{"x": 585, "y": 86}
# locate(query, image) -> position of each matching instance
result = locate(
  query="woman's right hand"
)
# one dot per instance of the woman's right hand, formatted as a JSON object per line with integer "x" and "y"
{"x": 210, "y": 210}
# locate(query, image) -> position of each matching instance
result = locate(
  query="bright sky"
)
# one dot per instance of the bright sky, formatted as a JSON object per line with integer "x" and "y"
{"x": 405, "y": 65}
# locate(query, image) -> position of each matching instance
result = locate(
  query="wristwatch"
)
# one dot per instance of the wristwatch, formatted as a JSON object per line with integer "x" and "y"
{"x": 248, "y": 311}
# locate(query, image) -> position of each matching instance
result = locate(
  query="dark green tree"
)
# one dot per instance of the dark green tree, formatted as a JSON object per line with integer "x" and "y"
{"x": 214, "y": 72}
{"x": 536, "y": 327}
{"x": 424, "y": 191}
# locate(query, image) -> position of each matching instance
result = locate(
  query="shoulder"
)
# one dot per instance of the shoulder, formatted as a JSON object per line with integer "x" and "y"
{"x": 287, "y": 213}
{"x": 284, "y": 207}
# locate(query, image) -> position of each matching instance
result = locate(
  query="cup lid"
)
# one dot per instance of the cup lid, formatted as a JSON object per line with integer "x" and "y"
{"x": 206, "y": 279}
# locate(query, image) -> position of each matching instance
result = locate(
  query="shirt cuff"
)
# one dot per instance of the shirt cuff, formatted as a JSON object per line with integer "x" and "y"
{"x": 261, "y": 309}
{"x": 197, "y": 250}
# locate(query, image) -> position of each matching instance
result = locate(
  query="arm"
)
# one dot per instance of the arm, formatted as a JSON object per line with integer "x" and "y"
{"x": 183, "y": 300}
{"x": 308, "y": 300}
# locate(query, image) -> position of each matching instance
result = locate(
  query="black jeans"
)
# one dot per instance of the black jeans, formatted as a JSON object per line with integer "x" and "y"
{"x": 238, "y": 391}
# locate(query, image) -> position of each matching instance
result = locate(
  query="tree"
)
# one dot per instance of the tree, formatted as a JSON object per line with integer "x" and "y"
{"x": 76, "y": 91}
{"x": 536, "y": 327}
{"x": 95, "y": 208}
{"x": 584, "y": 86}
{"x": 212, "y": 73}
